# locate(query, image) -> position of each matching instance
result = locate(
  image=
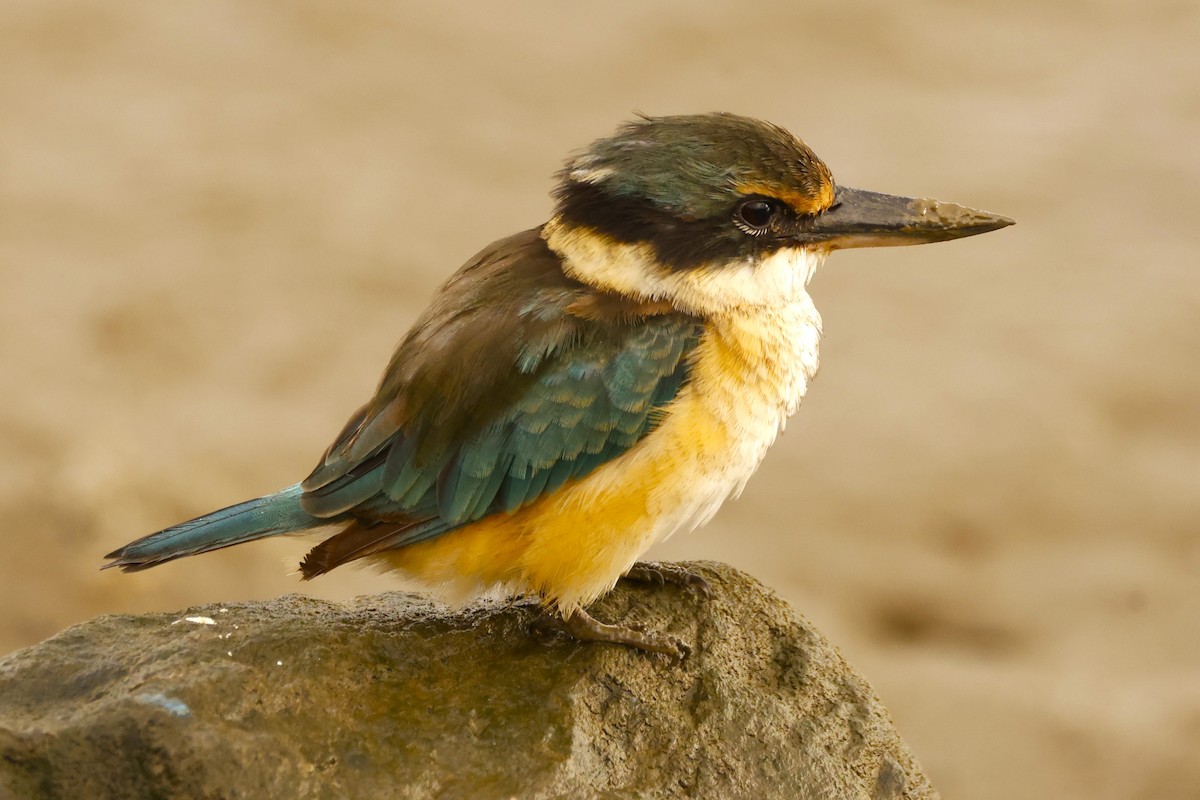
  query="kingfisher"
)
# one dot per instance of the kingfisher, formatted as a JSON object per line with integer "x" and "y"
{"x": 579, "y": 391}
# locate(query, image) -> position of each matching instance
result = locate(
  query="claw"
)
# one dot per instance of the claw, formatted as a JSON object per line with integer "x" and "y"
{"x": 663, "y": 573}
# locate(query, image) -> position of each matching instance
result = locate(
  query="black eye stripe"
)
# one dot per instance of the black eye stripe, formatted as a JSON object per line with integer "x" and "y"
{"x": 679, "y": 243}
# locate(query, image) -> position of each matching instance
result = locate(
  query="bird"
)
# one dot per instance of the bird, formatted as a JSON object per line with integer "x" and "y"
{"x": 579, "y": 391}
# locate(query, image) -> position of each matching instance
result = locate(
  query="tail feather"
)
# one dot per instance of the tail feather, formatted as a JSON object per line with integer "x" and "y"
{"x": 272, "y": 515}
{"x": 360, "y": 540}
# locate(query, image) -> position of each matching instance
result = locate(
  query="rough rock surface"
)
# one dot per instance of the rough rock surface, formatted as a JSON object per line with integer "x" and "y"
{"x": 394, "y": 696}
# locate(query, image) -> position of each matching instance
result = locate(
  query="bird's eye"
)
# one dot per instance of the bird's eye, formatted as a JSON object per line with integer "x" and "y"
{"x": 755, "y": 215}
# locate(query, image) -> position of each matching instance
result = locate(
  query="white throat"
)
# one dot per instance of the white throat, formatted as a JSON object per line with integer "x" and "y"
{"x": 632, "y": 269}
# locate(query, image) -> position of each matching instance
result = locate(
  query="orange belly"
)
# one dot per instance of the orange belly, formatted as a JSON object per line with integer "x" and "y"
{"x": 572, "y": 547}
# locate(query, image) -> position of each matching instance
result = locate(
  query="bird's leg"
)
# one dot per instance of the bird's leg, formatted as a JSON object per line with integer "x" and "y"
{"x": 663, "y": 573}
{"x": 586, "y": 628}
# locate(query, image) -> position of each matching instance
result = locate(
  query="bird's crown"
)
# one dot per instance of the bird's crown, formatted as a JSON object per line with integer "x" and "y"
{"x": 695, "y": 165}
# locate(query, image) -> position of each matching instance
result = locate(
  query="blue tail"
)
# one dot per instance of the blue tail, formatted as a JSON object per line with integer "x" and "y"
{"x": 272, "y": 515}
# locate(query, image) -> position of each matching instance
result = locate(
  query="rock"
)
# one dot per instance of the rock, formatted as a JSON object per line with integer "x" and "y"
{"x": 394, "y": 696}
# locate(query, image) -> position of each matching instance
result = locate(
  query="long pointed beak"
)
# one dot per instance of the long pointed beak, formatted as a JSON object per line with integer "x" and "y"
{"x": 859, "y": 218}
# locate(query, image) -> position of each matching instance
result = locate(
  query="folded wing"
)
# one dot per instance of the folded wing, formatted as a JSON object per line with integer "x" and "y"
{"x": 516, "y": 380}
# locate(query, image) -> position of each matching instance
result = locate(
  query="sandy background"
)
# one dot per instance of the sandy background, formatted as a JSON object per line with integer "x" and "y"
{"x": 217, "y": 218}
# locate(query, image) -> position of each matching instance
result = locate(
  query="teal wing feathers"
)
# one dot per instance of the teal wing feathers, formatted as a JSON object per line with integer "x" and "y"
{"x": 517, "y": 380}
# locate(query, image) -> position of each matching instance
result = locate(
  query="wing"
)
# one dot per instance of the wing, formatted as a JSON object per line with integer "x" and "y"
{"x": 516, "y": 380}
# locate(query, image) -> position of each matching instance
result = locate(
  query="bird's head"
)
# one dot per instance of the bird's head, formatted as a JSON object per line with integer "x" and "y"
{"x": 714, "y": 211}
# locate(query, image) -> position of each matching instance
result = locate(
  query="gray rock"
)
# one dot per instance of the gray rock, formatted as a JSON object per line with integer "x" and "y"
{"x": 394, "y": 696}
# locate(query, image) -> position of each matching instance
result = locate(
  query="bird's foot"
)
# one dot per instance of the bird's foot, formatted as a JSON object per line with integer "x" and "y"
{"x": 663, "y": 573}
{"x": 582, "y": 626}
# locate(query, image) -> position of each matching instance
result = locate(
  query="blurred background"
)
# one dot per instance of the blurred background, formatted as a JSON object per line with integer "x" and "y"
{"x": 217, "y": 218}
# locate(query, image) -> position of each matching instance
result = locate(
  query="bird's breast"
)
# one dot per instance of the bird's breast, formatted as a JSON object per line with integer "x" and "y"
{"x": 754, "y": 365}
{"x": 751, "y": 369}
